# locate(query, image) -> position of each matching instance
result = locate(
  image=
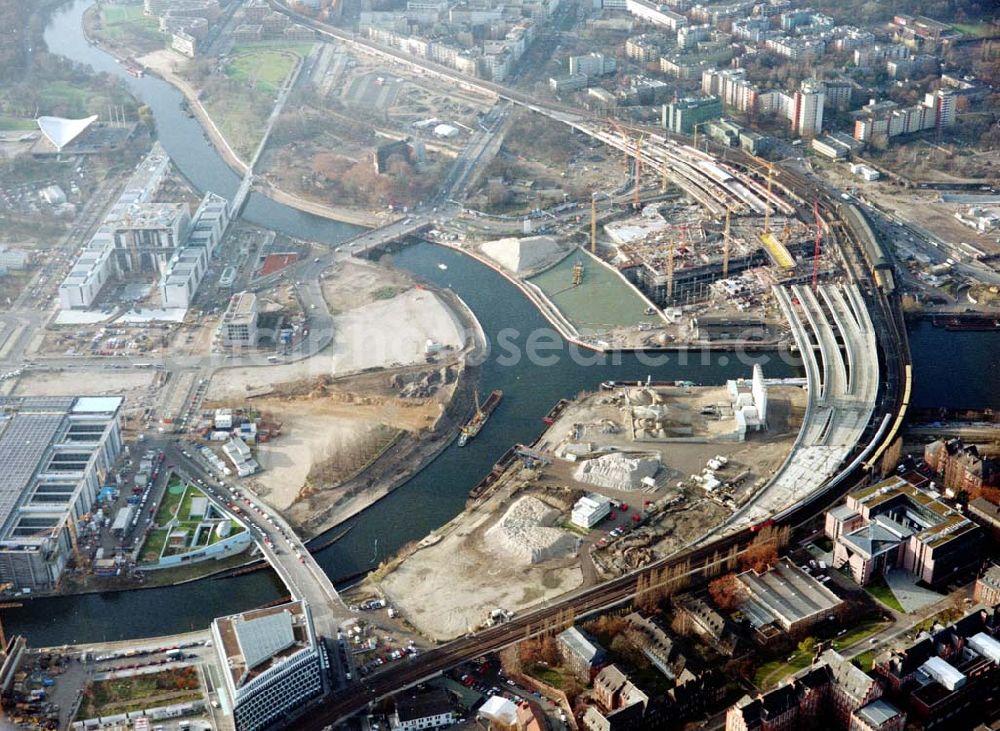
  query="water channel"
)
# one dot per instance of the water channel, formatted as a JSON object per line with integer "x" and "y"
{"x": 438, "y": 492}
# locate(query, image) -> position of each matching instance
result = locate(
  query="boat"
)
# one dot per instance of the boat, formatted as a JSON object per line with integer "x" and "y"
{"x": 483, "y": 410}
{"x": 442, "y": 267}
{"x": 133, "y": 68}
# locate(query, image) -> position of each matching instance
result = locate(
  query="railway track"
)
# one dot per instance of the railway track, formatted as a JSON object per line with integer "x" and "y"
{"x": 856, "y": 243}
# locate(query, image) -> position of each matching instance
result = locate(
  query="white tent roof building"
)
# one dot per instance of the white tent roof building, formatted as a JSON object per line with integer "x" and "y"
{"x": 60, "y": 131}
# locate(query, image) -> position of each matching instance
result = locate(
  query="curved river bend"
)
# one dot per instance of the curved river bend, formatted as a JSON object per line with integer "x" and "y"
{"x": 437, "y": 493}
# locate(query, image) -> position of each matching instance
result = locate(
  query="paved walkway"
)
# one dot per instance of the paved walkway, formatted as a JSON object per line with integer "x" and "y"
{"x": 913, "y": 598}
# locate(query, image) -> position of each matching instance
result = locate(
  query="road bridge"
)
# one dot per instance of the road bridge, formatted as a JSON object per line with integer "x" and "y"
{"x": 287, "y": 554}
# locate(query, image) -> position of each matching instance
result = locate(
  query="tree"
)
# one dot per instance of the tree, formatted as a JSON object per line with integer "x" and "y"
{"x": 807, "y": 646}
{"x": 726, "y": 592}
{"x": 759, "y": 556}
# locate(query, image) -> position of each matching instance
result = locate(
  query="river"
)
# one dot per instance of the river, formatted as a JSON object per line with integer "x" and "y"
{"x": 438, "y": 492}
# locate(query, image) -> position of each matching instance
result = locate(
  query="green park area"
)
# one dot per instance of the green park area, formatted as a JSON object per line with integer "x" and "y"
{"x": 129, "y": 26}
{"x": 601, "y": 301}
{"x": 977, "y": 30}
{"x": 241, "y": 102}
{"x": 122, "y": 695}
{"x": 174, "y": 515}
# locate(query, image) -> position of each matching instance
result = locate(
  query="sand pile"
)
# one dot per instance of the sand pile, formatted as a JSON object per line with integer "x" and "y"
{"x": 524, "y": 255}
{"x": 617, "y": 471}
{"x": 524, "y": 533}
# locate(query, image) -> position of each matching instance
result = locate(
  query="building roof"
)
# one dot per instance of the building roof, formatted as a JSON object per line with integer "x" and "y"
{"x": 425, "y": 705}
{"x": 582, "y": 646}
{"x": 254, "y": 641}
{"x": 787, "y": 594}
{"x": 61, "y": 131}
{"x": 848, "y": 677}
{"x": 499, "y": 709}
{"x": 262, "y": 637}
{"x": 878, "y": 712}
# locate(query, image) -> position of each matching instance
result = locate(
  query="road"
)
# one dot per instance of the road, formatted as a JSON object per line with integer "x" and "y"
{"x": 277, "y": 542}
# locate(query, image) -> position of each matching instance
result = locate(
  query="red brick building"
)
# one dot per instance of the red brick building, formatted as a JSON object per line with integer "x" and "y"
{"x": 962, "y": 467}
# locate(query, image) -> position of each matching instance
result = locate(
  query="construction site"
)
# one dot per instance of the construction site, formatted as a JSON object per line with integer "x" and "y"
{"x": 685, "y": 252}
{"x": 620, "y": 477}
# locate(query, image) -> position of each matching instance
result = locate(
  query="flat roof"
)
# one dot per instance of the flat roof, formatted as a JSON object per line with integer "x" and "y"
{"x": 30, "y": 429}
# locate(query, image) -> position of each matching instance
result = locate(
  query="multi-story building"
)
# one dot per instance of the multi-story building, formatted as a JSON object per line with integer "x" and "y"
{"x": 682, "y": 115}
{"x": 690, "y": 36}
{"x": 646, "y": 47}
{"x": 593, "y": 64}
{"x": 138, "y": 235}
{"x": 837, "y": 94}
{"x": 961, "y": 467}
{"x": 656, "y": 14}
{"x": 580, "y": 654}
{"x": 832, "y": 694}
{"x": 273, "y": 664}
{"x": 949, "y": 679}
{"x": 893, "y": 525}
{"x": 807, "y": 114}
{"x": 987, "y": 590}
{"x": 239, "y": 322}
{"x": 647, "y": 636}
{"x": 620, "y": 703}
{"x": 732, "y": 87}
{"x": 56, "y": 453}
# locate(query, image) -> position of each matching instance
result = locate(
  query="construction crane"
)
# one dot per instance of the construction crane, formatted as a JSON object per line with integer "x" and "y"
{"x": 725, "y": 246}
{"x": 816, "y": 249}
{"x": 696, "y": 126}
{"x": 638, "y": 172}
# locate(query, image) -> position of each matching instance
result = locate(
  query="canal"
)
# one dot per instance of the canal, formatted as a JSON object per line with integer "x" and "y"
{"x": 437, "y": 493}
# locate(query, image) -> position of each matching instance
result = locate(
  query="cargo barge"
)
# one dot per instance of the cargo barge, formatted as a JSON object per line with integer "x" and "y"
{"x": 474, "y": 425}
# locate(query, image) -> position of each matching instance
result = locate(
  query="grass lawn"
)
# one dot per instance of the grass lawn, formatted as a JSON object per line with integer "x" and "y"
{"x": 547, "y": 675}
{"x": 17, "y": 123}
{"x": 172, "y": 498}
{"x": 130, "y": 26}
{"x": 153, "y": 546}
{"x": 866, "y": 659}
{"x": 771, "y": 673}
{"x": 266, "y": 69}
{"x": 881, "y": 591}
{"x": 862, "y": 631}
{"x": 976, "y": 30}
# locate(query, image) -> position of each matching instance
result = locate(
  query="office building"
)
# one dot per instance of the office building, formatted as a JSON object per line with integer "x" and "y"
{"x": 142, "y": 236}
{"x": 273, "y": 664}
{"x": 56, "y": 453}
{"x": 894, "y": 525}
{"x": 681, "y": 116}
{"x": 239, "y": 323}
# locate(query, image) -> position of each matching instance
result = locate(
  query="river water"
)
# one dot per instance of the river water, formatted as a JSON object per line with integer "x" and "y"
{"x": 438, "y": 492}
